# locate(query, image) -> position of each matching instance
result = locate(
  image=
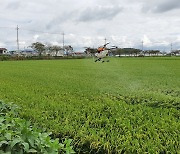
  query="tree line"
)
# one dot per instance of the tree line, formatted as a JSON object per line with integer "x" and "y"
{"x": 132, "y": 52}
{"x": 41, "y": 48}
{"x": 48, "y": 49}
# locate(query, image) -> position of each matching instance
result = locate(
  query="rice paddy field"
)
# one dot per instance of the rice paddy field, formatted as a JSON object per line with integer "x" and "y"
{"x": 129, "y": 105}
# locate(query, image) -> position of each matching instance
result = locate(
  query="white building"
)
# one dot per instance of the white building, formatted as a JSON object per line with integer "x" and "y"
{"x": 29, "y": 53}
{"x": 3, "y": 51}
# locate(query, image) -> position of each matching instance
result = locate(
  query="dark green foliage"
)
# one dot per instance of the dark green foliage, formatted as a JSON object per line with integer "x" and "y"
{"x": 19, "y": 58}
{"x": 18, "y": 136}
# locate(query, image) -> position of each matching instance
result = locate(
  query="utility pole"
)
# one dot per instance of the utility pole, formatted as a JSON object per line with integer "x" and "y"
{"x": 171, "y": 49}
{"x": 17, "y": 38}
{"x": 142, "y": 46}
{"x": 63, "y": 40}
{"x": 105, "y": 40}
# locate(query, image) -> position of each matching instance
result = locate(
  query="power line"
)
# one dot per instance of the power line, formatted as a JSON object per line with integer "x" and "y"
{"x": 36, "y": 31}
{"x": 155, "y": 43}
{"x": 7, "y": 27}
{"x": 41, "y": 31}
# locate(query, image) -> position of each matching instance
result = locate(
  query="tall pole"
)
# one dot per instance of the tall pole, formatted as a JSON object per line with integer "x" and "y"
{"x": 105, "y": 40}
{"x": 142, "y": 46}
{"x": 171, "y": 49}
{"x": 63, "y": 40}
{"x": 17, "y": 38}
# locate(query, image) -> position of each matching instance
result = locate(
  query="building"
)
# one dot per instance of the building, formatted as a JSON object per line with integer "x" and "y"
{"x": 59, "y": 53}
{"x": 78, "y": 54}
{"x": 3, "y": 51}
{"x": 28, "y": 53}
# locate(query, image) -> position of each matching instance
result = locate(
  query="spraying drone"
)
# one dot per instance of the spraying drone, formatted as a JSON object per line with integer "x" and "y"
{"x": 102, "y": 52}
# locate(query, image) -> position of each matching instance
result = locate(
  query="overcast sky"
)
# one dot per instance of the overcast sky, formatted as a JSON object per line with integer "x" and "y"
{"x": 86, "y": 23}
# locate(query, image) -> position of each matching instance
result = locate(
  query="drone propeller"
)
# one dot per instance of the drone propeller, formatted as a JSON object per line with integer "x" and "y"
{"x": 106, "y": 44}
{"x": 86, "y": 47}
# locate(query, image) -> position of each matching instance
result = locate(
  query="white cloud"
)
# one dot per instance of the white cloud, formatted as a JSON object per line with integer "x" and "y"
{"x": 161, "y": 6}
{"x": 146, "y": 41}
{"x": 2, "y": 44}
{"x": 124, "y": 23}
{"x": 99, "y": 13}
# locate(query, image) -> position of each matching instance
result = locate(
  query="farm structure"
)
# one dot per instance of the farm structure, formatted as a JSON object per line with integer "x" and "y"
{"x": 3, "y": 51}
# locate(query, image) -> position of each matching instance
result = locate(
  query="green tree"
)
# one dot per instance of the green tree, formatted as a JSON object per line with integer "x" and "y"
{"x": 39, "y": 47}
{"x": 68, "y": 49}
{"x": 55, "y": 48}
{"x": 176, "y": 52}
{"x": 90, "y": 50}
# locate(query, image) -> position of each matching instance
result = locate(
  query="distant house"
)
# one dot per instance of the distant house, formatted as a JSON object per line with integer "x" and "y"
{"x": 78, "y": 54}
{"x": 12, "y": 52}
{"x": 60, "y": 53}
{"x": 28, "y": 53}
{"x": 3, "y": 51}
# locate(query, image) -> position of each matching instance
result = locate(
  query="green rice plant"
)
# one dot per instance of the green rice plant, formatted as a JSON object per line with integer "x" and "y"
{"x": 130, "y": 105}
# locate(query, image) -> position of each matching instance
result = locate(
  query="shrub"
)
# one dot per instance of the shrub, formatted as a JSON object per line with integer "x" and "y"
{"x": 18, "y": 136}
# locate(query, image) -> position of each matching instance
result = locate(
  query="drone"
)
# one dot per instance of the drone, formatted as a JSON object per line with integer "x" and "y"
{"x": 101, "y": 52}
